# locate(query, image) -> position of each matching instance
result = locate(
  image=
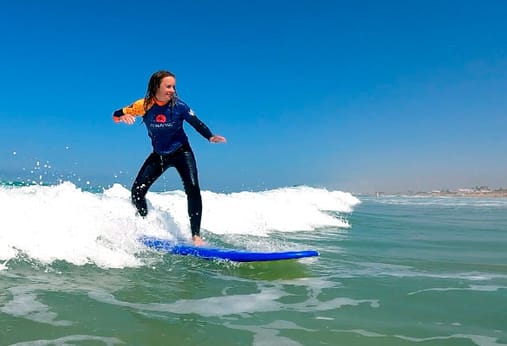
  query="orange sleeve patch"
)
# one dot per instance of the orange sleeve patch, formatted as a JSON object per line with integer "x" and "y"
{"x": 136, "y": 108}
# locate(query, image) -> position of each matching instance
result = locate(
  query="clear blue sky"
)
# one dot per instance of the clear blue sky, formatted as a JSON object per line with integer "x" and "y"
{"x": 351, "y": 95}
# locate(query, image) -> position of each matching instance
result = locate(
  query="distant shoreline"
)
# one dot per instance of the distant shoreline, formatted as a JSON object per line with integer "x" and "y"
{"x": 467, "y": 194}
{"x": 501, "y": 193}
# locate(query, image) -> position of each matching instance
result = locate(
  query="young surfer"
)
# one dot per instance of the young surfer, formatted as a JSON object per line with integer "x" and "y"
{"x": 163, "y": 114}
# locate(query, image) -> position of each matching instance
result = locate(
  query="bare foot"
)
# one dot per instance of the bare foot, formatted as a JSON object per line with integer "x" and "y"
{"x": 198, "y": 240}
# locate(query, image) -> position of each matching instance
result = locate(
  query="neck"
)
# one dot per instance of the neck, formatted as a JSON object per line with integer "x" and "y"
{"x": 158, "y": 102}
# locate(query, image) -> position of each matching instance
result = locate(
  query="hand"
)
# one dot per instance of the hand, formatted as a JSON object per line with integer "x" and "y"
{"x": 198, "y": 241}
{"x": 128, "y": 119}
{"x": 218, "y": 139}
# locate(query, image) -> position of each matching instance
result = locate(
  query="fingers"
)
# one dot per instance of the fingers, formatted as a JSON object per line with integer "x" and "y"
{"x": 128, "y": 119}
{"x": 218, "y": 139}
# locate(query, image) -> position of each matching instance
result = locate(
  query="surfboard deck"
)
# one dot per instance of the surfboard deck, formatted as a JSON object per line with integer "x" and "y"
{"x": 223, "y": 253}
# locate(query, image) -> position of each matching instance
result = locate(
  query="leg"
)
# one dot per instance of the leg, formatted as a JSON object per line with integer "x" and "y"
{"x": 187, "y": 168}
{"x": 149, "y": 172}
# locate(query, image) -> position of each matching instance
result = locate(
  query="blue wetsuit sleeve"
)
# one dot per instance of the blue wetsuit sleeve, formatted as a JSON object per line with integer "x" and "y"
{"x": 118, "y": 113}
{"x": 196, "y": 123}
{"x": 199, "y": 126}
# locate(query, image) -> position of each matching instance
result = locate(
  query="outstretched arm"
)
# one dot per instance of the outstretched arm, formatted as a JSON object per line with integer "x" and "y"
{"x": 128, "y": 114}
{"x": 200, "y": 127}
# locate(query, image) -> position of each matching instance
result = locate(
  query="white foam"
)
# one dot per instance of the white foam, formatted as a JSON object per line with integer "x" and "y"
{"x": 25, "y": 304}
{"x": 70, "y": 339}
{"x": 480, "y": 288}
{"x": 374, "y": 269}
{"x": 479, "y": 340}
{"x": 63, "y": 222}
{"x": 269, "y": 334}
{"x": 267, "y": 300}
{"x": 258, "y": 213}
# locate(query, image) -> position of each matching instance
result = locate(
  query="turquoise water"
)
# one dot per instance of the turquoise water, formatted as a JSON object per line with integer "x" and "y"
{"x": 425, "y": 271}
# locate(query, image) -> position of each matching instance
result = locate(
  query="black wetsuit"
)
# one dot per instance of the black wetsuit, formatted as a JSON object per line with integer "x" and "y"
{"x": 184, "y": 161}
{"x": 170, "y": 149}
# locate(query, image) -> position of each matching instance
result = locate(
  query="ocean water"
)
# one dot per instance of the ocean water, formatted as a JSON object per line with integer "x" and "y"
{"x": 392, "y": 270}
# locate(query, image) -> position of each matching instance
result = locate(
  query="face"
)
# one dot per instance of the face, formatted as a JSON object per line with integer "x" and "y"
{"x": 167, "y": 89}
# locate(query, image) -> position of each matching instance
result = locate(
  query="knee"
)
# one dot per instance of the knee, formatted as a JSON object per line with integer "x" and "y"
{"x": 191, "y": 186}
{"x": 193, "y": 190}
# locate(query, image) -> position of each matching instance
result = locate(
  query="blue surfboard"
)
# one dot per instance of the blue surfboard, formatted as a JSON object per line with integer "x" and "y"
{"x": 224, "y": 254}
